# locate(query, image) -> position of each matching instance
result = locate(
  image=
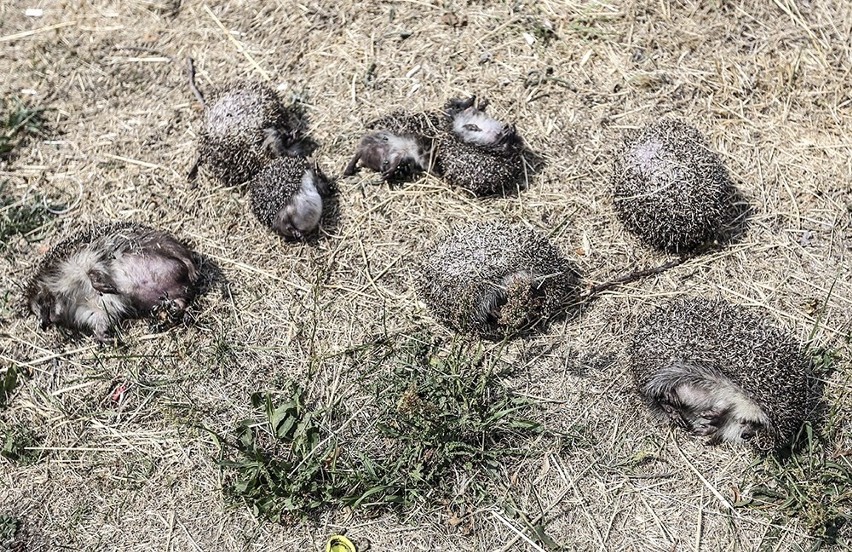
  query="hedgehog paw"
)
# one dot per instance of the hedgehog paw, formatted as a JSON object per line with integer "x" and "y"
{"x": 707, "y": 422}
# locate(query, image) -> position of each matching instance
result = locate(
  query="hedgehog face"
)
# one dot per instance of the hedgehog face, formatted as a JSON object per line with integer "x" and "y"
{"x": 473, "y": 126}
{"x": 388, "y": 153}
{"x": 301, "y": 215}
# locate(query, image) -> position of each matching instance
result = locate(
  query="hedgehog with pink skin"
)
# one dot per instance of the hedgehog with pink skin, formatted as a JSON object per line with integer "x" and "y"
{"x": 110, "y": 272}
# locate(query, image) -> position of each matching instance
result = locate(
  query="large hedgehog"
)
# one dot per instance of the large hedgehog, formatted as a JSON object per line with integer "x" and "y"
{"x": 670, "y": 189}
{"x": 243, "y": 127}
{"x": 721, "y": 371}
{"x": 495, "y": 279}
{"x": 109, "y": 272}
{"x": 287, "y": 196}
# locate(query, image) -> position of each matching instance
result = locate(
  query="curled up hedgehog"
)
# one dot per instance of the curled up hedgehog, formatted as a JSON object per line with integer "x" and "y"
{"x": 110, "y": 272}
{"x": 721, "y": 371}
{"x": 495, "y": 279}
{"x": 244, "y": 125}
{"x": 670, "y": 189}
{"x": 479, "y": 153}
{"x": 287, "y": 196}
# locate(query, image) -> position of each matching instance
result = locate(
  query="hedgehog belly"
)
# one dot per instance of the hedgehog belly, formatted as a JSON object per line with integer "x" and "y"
{"x": 108, "y": 272}
{"x": 479, "y": 170}
{"x": 286, "y": 197}
{"x": 495, "y": 279}
{"x": 721, "y": 371}
{"x": 669, "y": 189}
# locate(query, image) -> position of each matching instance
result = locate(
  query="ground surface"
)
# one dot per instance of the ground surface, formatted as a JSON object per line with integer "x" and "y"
{"x": 767, "y": 82}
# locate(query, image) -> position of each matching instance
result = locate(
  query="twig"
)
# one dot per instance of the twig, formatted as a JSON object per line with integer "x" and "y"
{"x": 634, "y": 276}
{"x": 190, "y": 70}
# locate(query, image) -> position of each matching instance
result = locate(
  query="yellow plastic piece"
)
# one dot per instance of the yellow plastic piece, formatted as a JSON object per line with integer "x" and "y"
{"x": 339, "y": 543}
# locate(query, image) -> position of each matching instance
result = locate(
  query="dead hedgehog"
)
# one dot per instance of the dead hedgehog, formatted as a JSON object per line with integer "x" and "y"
{"x": 287, "y": 196}
{"x": 472, "y": 125}
{"x": 721, "y": 371}
{"x": 110, "y": 272}
{"x": 243, "y": 127}
{"x": 479, "y": 153}
{"x": 670, "y": 189}
{"x": 494, "y": 279}
{"x": 401, "y": 144}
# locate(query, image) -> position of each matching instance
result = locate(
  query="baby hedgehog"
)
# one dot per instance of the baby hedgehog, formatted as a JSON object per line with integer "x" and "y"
{"x": 110, "y": 272}
{"x": 287, "y": 196}
{"x": 721, "y": 371}
{"x": 400, "y": 145}
{"x": 243, "y": 127}
{"x": 670, "y": 189}
{"x": 479, "y": 153}
{"x": 495, "y": 278}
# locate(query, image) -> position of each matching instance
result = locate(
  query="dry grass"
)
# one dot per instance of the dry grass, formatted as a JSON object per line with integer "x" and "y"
{"x": 768, "y": 82}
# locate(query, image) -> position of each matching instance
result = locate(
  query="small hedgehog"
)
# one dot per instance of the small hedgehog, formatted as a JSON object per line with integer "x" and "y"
{"x": 400, "y": 145}
{"x": 479, "y": 153}
{"x": 494, "y": 279}
{"x": 472, "y": 125}
{"x": 110, "y": 272}
{"x": 670, "y": 189}
{"x": 393, "y": 155}
{"x": 287, "y": 196}
{"x": 721, "y": 371}
{"x": 243, "y": 127}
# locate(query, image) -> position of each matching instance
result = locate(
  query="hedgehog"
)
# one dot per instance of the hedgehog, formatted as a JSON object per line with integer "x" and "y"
{"x": 669, "y": 188}
{"x": 479, "y": 153}
{"x": 244, "y": 126}
{"x": 109, "y": 272}
{"x": 400, "y": 145}
{"x": 495, "y": 279}
{"x": 287, "y": 196}
{"x": 721, "y": 371}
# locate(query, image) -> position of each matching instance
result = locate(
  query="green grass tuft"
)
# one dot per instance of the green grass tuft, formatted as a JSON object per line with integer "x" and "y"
{"x": 17, "y": 442}
{"x": 812, "y": 484}
{"x": 22, "y": 217}
{"x": 433, "y": 418}
{"x": 18, "y": 121}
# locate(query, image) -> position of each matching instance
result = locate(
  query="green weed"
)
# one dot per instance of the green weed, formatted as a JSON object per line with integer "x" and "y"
{"x": 433, "y": 419}
{"x": 17, "y": 442}
{"x": 811, "y": 484}
{"x": 18, "y": 121}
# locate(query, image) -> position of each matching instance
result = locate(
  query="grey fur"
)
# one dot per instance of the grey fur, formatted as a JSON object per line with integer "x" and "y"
{"x": 670, "y": 189}
{"x": 243, "y": 127}
{"x": 286, "y": 196}
{"x": 721, "y": 371}
{"x": 109, "y": 272}
{"x": 495, "y": 279}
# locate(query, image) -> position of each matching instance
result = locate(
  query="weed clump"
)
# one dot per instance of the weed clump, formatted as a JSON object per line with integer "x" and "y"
{"x": 432, "y": 419}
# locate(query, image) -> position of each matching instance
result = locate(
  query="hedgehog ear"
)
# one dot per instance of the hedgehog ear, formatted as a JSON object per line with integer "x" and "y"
{"x": 273, "y": 145}
{"x": 102, "y": 281}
